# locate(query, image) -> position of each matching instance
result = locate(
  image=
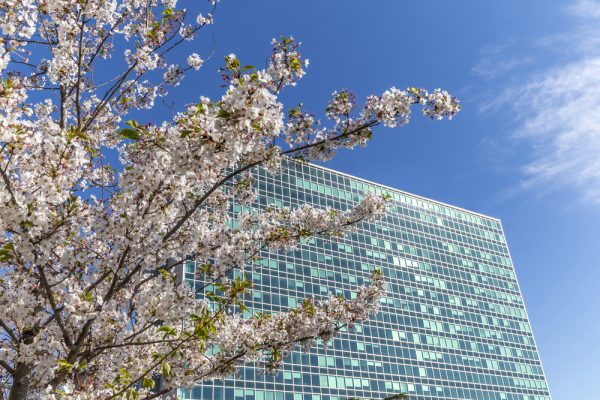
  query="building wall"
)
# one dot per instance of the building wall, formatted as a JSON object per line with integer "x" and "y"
{"x": 453, "y": 325}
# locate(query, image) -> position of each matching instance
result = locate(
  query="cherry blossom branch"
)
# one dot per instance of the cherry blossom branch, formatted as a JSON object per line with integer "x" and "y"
{"x": 79, "y": 73}
{"x": 8, "y": 187}
{"x": 8, "y": 331}
{"x": 55, "y": 310}
{"x": 161, "y": 359}
{"x": 7, "y": 367}
{"x": 239, "y": 171}
{"x": 113, "y": 90}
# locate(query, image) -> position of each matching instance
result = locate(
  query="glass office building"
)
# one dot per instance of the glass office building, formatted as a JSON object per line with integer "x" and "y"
{"x": 453, "y": 325}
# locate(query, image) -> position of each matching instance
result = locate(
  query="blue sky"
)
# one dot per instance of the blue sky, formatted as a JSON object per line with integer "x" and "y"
{"x": 525, "y": 149}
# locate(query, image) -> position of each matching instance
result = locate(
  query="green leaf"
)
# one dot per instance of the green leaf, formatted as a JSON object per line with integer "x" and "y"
{"x": 165, "y": 369}
{"x": 88, "y": 297}
{"x": 261, "y": 316}
{"x": 167, "y": 331}
{"x": 185, "y": 133}
{"x": 147, "y": 382}
{"x": 164, "y": 273}
{"x": 295, "y": 111}
{"x": 296, "y": 66}
{"x": 232, "y": 64}
{"x": 124, "y": 376}
{"x": 309, "y": 307}
{"x": 206, "y": 268}
{"x": 224, "y": 114}
{"x": 132, "y": 394}
{"x": 200, "y": 108}
{"x": 133, "y": 134}
{"x": 26, "y": 225}
{"x": 64, "y": 366}
{"x": 82, "y": 136}
{"x": 6, "y": 252}
{"x": 74, "y": 132}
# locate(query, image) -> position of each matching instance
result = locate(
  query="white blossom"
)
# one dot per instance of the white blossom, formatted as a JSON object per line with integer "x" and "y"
{"x": 204, "y": 20}
{"x": 173, "y": 75}
{"x": 144, "y": 59}
{"x": 195, "y": 61}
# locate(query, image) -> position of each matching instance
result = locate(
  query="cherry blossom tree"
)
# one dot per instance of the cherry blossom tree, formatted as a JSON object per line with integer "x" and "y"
{"x": 90, "y": 306}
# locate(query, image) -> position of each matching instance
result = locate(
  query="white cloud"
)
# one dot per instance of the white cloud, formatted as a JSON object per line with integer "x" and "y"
{"x": 586, "y": 8}
{"x": 492, "y": 68}
{"x": 494, "y": 60}
{"x": 559, "y": 112}
{"x": 582, "y": 42}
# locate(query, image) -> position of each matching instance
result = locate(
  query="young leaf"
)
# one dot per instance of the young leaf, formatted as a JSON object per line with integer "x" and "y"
{"x": 6, "y": 252}
{"x": 127, "y": 133}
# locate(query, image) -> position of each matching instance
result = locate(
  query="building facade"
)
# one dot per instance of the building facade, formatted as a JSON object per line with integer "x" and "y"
{"x": 453, "y": 325}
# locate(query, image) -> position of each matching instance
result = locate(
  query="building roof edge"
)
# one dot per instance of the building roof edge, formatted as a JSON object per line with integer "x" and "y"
{"x": 401, "y": 191}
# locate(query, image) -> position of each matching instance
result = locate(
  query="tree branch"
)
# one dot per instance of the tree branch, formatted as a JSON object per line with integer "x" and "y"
{"x": 8, "y": 187}
{"x": 222, "y": 181}
{"x": 79, "y": 72}
{"x": 50, "y": 298}
{"x": 7, "y": 367}
{"x": 8, "y": 331}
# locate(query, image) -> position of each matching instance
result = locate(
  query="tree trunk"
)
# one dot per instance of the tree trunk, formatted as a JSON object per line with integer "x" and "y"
{"x": 20, "y": 384}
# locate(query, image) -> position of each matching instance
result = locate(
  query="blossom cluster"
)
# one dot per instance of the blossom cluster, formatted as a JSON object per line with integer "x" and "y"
{"x": 99, "y": 211}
